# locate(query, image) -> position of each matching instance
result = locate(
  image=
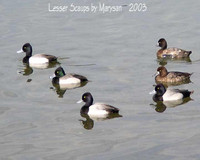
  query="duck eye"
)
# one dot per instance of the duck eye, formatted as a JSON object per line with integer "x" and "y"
{"x": 158, "y": 88}
{"x": 84, "y": 97}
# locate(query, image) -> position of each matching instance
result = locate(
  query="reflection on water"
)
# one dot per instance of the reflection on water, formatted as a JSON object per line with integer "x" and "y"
{"x": 161, "y": 106}
{"x": 27, "y": 69}
{"x": 61, "y": 89}
{"x": 88, "y": 123}
{"x": 164, "y": 61}
{"x": 167, "y": 84}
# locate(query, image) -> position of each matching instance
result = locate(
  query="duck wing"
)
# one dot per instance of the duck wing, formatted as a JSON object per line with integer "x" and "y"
{"x": 82, "y": 78}
{"x": 106, "y": 107}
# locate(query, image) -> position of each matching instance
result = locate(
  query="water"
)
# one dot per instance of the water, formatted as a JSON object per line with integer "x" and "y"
{"x": 117, "y": 53}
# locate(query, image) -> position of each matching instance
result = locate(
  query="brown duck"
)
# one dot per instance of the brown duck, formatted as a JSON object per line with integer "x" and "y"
{"x": 170, "y": 52}
{"x": 164, "y": 76}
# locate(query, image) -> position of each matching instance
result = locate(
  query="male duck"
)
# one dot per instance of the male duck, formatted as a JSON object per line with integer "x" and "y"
{"x": 37, "y": 59}
{"x": 67, "y": 80}
{"x": 163, "y": 75}
{"x": 170, "y": 52}
{"x": 97, "y": 109}
{"x": 163, "y": 94}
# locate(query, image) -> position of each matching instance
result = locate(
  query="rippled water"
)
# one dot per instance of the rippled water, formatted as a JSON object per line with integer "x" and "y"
{"x": 117, "y": 53}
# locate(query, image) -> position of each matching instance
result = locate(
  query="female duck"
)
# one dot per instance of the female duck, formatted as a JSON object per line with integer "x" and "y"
{"x": 67, "y": 81}
{"x": 163, "y": 94}
{"x": 97, "y": 109}
{"x": 171, "y": 52}
{"x": 37, "y": 59}
{"x": 163, "y": 75}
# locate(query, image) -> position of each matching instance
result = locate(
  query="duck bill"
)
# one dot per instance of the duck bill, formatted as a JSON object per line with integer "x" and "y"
{"x": 20, "y": 51}
{"x": 80, "y": 101}
{"x": 157, "y": 45}
{"x": 157, "y": 73}
{"x": 52, "y": 76}
{"x": 152, "y": 92}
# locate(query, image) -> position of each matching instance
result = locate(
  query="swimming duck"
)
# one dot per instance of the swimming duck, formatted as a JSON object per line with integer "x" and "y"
{"x": 170, "y": 52}
{"x": 97, "y": 109}
{"x": 67, "y": 80}
{"x": 37, "y": 59}
{"x": 163, "y": 75}
{"x": 163, "y": 94}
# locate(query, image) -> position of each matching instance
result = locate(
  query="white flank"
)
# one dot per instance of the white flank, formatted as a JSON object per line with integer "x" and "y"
{"x": 97, "y": 109}
{"x": 70, "y": 80}
{"x": 172, "y": 95}
{"x": 38, "y": 60}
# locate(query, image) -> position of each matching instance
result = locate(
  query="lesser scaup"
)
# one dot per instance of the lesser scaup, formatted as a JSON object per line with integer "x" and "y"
{"x": 163, "y": 75}
{"x": 67, "y": 80}
{"x": 163, "y": 94}
{"x": 170, "y": 52}
{"x": 97, "y": 109}
{"x": 37, "y": 59}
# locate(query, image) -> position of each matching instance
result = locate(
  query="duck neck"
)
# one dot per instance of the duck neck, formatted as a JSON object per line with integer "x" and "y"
{"x": 89, "y": 102}
{"x": 29, "y": 52}
{"x": 163, "y": 73}
{"x": 164, "y": 46}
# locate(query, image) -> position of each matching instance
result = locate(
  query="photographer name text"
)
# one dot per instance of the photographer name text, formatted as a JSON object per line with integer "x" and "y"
{"x": 101, "y": 7}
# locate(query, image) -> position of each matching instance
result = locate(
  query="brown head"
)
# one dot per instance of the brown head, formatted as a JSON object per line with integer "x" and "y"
{"x": 162, "y": 43}
{"x": 162, "y": 71}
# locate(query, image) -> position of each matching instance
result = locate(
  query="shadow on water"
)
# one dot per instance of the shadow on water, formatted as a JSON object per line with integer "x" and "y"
{"x": 88, "y": 123}
{"x": 60, "y": 90}
{"x": 161, "y": 106}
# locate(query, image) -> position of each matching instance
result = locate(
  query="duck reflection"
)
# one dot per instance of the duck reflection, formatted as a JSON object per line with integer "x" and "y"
{"x": 164, "y": 61}
{"x": 45, "y": 66}
{"x": 88, "y": 123}
{"x": 161, "y": 106}
{"x": 27, "y": 69}
{"x": 61, "y": 89}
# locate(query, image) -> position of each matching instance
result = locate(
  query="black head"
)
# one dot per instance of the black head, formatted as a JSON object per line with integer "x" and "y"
{"x": 160, "y": 89}
{"x": 87, "y": 98}
{"x": 59, "y": 72}
{"x": 162, "y": 43}
{"x": 27, "y": 48}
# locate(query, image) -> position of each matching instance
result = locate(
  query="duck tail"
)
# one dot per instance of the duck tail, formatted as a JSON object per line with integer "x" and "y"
{"x": 189, "y": 52}
{"x": 186, "y": 93}
{"x": 191, "y": 92}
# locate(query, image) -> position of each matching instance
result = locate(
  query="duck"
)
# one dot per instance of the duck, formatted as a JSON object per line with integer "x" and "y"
{"x": 163, "y": 94}
{"x": 96, "y": 109}
{"x": 162, "y": 75}
{"x": 37, "y": 59}
{"x": 67, "y": 80}
{"x": 170, "y": 52}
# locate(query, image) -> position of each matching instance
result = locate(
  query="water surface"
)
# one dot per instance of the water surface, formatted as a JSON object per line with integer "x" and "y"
{"x": 35, "y": 123}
